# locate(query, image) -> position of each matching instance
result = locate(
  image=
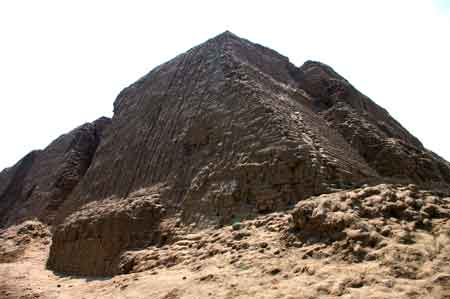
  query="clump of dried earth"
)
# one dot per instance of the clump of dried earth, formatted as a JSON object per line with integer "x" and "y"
{"x": 228, "y": 172}
{"x": 16, "y": 239}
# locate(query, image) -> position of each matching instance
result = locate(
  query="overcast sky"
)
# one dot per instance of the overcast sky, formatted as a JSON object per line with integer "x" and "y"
{"x": 62, "y": 63}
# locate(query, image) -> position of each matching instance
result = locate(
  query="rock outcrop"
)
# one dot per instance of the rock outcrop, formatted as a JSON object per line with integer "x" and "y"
{"x": 224, "y": 132}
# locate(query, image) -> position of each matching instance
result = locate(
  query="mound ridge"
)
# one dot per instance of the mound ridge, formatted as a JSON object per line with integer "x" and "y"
{"x": 37, "y": 185}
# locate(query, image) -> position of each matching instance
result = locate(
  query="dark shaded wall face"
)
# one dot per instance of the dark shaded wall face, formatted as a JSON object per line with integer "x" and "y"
{"x": 13, "y": 186}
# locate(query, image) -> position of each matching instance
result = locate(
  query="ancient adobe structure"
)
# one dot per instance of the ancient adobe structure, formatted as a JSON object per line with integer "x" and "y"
{"x": 225, "y": 131}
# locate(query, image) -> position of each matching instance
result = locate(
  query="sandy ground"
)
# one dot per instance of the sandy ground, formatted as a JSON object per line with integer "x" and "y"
{"x": 251, "y": 261}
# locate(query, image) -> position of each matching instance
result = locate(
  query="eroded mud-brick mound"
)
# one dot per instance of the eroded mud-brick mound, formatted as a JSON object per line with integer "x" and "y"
{"x": 223, "y": 132}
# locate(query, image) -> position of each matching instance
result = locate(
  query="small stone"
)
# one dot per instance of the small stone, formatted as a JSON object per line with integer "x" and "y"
{"x": 406, "y": 237}
{"x": 442, "y": 279}
{"x": 263, "y": 245}
{"x": 275, "y": 271}
{"x": 426, "y": 222}
{"x": 410, "y": 201}
{"x": 236, "y": 226}
{"x": 386, "y": 231}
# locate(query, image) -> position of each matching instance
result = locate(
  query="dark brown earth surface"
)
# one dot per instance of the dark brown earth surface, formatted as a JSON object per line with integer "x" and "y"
{"x": 229, "y": 172}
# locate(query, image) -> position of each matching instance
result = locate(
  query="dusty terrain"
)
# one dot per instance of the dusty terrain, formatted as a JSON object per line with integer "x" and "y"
{"x": 386, "y": 241}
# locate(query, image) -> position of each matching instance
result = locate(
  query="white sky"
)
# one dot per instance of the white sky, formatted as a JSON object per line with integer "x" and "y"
{"x": 62, "y": 63}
